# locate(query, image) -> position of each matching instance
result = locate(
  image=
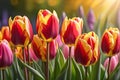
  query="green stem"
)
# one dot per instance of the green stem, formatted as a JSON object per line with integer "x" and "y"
{"x": 2, "y": 75}
{"x": 108, "y": 68}
{"x": 47, "y": 64}
{"x": 25, "y": 69}
{"x": 70, "y": 67}
{"x": 28, "y": 61}
{"x": 86, "y": 73}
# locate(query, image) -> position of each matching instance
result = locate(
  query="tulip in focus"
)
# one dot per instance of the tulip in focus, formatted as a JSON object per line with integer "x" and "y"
{"x": 47, "y": 25}
{"x": 113, "y": 63}
{"x": 6, "y": 55}
{"x": 40, "y": 48}
{"x": 71, "y": 28}
{"x": 19, "y": 53}
{"x": 21, "y": 30}
{"x": 87, "y": 49}
{"x": 110, "y": 43}
{"x": 5, "y": 33}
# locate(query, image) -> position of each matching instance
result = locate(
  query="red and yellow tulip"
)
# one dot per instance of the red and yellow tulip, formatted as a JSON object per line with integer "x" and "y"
{"x": 71, "y": 28}
{"x": 47, "y": 25}
{"x": 5, "y": 31}
{"x": 87, "y": 49}
{"x": 21, "y": 30}
{"x": 6, "y": 55}
{"x": 40, "y": 48}
{"x": 28, "y": 51}
{"x": 110, "y": 43}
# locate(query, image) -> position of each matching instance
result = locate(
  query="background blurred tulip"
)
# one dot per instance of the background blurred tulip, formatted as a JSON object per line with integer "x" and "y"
{"x": 29, "y": 55}
{"x": 21, "y": 30}
{"x": 5, "y": 33}
{"x": 71, "y": 28}
{"x": 65, "y": 50}
{"x": 47, "y": 25}
{"x": 110, "y": 43}
{"x": 91, "y": 19}
{"x": 81, "y": 12}
{"x": 113, "y": 63}
{"x": 6, "y": 55}
{"x": 87, "y": 49}
{"x": 53, "y": 46}
{"x": 58, "y": 40}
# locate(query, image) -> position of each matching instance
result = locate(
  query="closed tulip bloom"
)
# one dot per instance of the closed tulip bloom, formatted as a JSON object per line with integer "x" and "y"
{"x": 5, "y": 33}
{"x": 53, "y": 46}
{"x": 110, "y": 43}
{"x": 21, "y": 30}
{"x": 71, "y": 28}
{"x": 47, "y": 25}
{"x": 40, "y": 48}
{"x": 29, "y": 53}
{"x": 6, "y": 55}
{"x": 87, "y": 49}
{"x": 113, "y": 63}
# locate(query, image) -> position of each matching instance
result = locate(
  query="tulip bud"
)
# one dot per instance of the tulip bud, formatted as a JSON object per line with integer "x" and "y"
{"x": 70, "y": 30}
{"x": 87, "y": 49}
{"x": 6, "y": 55}
{"x": 21, "y": 31}
{"x": 58, "y": 40}
{"x": 47, "y": 25}
{"x": 29, "y": 53}
{"x": 113, "y": 63}
{"x": 53, "y": 46}
{"x": 5, "y": 33}
{"x": 81, "y": 11}
{"x": 65, "y": 50}
{"x": 91, "y": 19}
{"x": 40, "y": 48}
{"x": 118, "y": 19}
{"x": 110, "y": 43}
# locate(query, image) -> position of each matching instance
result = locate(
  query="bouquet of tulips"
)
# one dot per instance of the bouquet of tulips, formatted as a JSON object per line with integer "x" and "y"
{"x": 66, "y": 49}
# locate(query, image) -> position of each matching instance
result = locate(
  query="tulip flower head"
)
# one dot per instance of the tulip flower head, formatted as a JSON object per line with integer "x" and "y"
{"x": 113, "y": 63}
{"x": 71, "y": 28}
{"x": 47, "y": 25}
{"x": 40, "y": 48}
{"x": 110, "y": 43}
{"x": 21, "y": 31}
{"x": 87, "y": 49}
{"x": 19, "y": 53}
{"x": 6, "y": 55}
{"x": 5, "y": 33}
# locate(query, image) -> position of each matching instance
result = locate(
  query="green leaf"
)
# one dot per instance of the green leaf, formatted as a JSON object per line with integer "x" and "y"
{"x": 78, "y": 74}
{"x": 103, "y": 75}
{"x": 35, "y": 72}
{"x": 63, "y": 73}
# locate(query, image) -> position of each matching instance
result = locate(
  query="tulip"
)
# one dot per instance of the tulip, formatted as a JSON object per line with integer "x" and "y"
{"x": 58, "y": 40}
{"x": 5, "y": 33}
{"x": 47, "y": 25}
{"x": 91, "y": 19}
{"x": 28, "y": 51}
{"x": 40, "y": 48}
{"x": 0, "y": 35}
{"x": 70, "y": 30}
{"x": 87, "y": 49}
{"x": 110, "y": 43}
{"x": 113, "y": 63}
{"x": 65, "y": 50}
{"x": 6, "y": 55}
{"x": 81, "y": 12}
{"x": 21, "y": 31}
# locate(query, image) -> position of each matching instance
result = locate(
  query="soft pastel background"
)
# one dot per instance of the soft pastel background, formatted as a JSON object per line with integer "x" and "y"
{"x": 102, "y": 8}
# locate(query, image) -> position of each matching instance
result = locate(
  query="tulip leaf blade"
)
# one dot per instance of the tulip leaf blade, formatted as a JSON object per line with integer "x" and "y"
{"x": 35, "y": 72}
